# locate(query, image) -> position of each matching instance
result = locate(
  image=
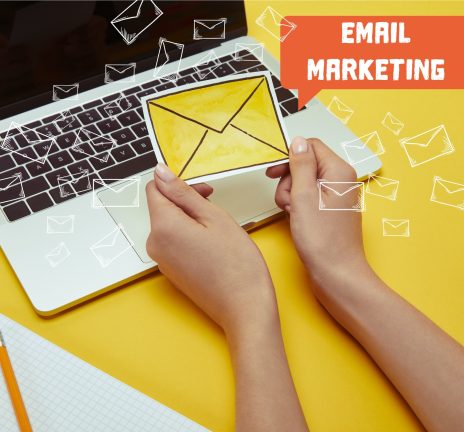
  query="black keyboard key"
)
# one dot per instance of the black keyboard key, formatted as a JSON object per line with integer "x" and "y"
{"x": 226, "y": 58}
{"x": 223, "y": 70}
{"x": 33, "y": 124}
{"x": 140, "y": 112}
{"x": 78, "y": 167}
{"x": 260, "y": 68}
{"x": 35, "y": 186}
{"x": 25, "y": 139}
{"x": 164, "y": 86}
{"x": 133, "y": 101}
{"x": 84, "y": 184}
{"x": 140, "y": 129}
{"x": 144, "y": 93}
{"x": 130, "y": 167}
{"x": 11, "y": 188}
{"x": 283, "y": 94}
{"x": 58, "y": 160}
{"x": 45, "y": 148}
{"x": 275, "y": 81}
{"x": 128, "y": 118}
{"x": 36, "y": 168}
{"x": 40, "y": 202}
{"x": 283, "y": 111}
{"x": 142, "y": 146}
{"x": 186, "y": 72}
{"x": 6, "y": 162}
{"x": 76, "y": 110}
{"x": 92, "y": 104}
{"x": 291, "y": 106}
{"x": 151, "y": 84}
{"x": 15, "y": 171}
{"x": 63, "y": 193}
{"x": 111, "y": 97}
{"x": 16, "y": 211}
{"x": 66, "y": 140}
{"x": 108, "y": 125}
{"x": 88, "y": 117}
{"x": 52, "y": 177}
{"x": 99, "y": 164}
{"x": 185, "y": 80}
{"x": 132, "y": 90}
{"x": 122, "y": 153}
{"x": 240, "y": 66}
{"x": 123, "y": 136}
{"x": 82, "y": 151}
{"x": 25, "y": 155}
{"x": 49, "y": 130}
{"x": 67, "y": 122}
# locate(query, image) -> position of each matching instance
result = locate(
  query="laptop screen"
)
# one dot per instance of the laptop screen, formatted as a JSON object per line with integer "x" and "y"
{"x": 47, "y": 43}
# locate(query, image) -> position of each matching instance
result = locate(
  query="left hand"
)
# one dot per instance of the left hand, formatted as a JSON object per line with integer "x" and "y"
{"x": 206, "y": 255}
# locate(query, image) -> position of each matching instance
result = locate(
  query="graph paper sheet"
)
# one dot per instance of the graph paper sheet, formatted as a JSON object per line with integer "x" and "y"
{"x": 63, "y": 393}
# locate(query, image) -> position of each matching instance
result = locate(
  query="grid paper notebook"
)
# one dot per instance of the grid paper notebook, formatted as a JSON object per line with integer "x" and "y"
{"x": 63, "y": 393}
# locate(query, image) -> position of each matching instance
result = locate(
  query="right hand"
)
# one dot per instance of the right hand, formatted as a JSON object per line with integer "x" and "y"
{"x": 328, "y": 242}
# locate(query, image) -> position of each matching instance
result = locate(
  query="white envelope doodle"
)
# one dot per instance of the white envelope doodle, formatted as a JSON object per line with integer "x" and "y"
{"x": 256, "y": 50}
{"x": 124, "y": 194}
{"x": 341, "y": 196}
{"x": 209, "y": 28}
{"x": 117, "y": 106}
{"x": 340, "y": 110}
{"x": 448, "y": 193}
{"x": 271, "y": 21}
{"x": 124, "y": 73}
{"x": 111, "y": 246}
{"x": 101, "y": 145}
{"x": 357, "y": 150}
{"x": 383, "y": 187}
{"x": 42, "y": 144}
{"x": 427, "y": 146}
{"x": 60, "y": 224}
{"x": 79, "y": 181}
{"x": 391, "y": 123}
{"x": 58, "y": 255}
{"x": 65, "y": 91}
{"x": 135, "y": 19}
{"x": 207, "y": 64}
{"x": 395, "y": 227}
{"x": 168, "y": 52}
{"x": 66, "y": 122}
{"x": 11, "y": 189}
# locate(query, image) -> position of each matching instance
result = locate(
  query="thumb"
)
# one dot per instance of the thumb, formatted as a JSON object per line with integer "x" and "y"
{"x": 182, "y": 195}
{"x": 303, "y": 169}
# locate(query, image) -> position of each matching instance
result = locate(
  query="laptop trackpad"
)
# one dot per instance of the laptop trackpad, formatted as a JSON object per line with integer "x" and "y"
{"x": 247, "y": 197}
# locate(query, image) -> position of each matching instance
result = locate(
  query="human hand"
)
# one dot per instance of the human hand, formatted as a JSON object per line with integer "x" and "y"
{"x": 206, "y": 255}
{"x": 328, "y": 242}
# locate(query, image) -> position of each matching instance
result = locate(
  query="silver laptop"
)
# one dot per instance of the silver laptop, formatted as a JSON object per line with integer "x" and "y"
{"x": 67, "y": 238}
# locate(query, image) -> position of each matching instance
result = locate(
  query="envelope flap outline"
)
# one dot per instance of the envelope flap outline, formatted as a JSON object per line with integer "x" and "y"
{"x": 73, "y": 178}
{"x": 278, "y": 19}
{"x": 232, "y": 97}
{"x": 363, "y": 141}
{"x": 393, "y": 119}
{"x": 131, "y": 12}
{"x": 341, "y": 106}
{"x": 60, "y": 220}
{"x": 120, "y": 68}
{"x": 214, "y": 22}
{"x": 66, "y": 88}
{"x": 434, "y": 132}
{"x": 383, "y": 181}
{"x": 446, "y": 185}
{"x": 118, "y": 188}
{"x": 396, "y": 223}
{"x": 353, "y": 186}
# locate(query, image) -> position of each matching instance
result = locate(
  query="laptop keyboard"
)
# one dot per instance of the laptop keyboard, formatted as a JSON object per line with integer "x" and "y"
{"x": 68, "y": 173}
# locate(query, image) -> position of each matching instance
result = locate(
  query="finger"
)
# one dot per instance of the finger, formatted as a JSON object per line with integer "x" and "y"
{"x": 278, "y": 171}
{"x": 182, "y": 195}
{"x": 282, "y": 196}
{"x": 205, "y": 190}
{"x": 303, "y": 168}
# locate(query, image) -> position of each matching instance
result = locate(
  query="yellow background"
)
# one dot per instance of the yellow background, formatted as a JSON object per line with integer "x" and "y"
{"x": 151, "y": 337}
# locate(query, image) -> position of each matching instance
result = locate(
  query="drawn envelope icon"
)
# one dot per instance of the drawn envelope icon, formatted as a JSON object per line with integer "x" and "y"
{"x": 275, "y": 24}
{"x": 80, "y": 183}
{"x": 395, "y": 227}
{"x": 20, "y": 139}
{"x": 448, "y": 193}
{"x": 111, "y": 246}
{"x": 341, "y": 196}
{"x": 215, "y": 130}
{"x": 65, "y": 91}
{"x": 93, "y": 144}
{"x": 391, "y": 123}
{"x": 361, "y": 149}
{"x": 120, "y": 72}
{"x": 256, "y": 50}
{"x": 58, "y": 255}
{"x": 135, "y": 19}
{"x": 427, "y": 146}
{"x": 125, "y": 194}
{"x": 11, "y": 188}
{"x": 168, "y": 53}
{"x": 340, "y": 110}
{"x": 383, "y": 187}
{"x": 209, "y": 28}
{"x": 60, "y": 224}
{"x": 207, "y": 64}
{"x": 65, "y": 122}
{"x": 117, "y": 106}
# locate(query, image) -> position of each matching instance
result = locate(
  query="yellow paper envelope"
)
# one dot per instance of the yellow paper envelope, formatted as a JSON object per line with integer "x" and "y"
{"x": 340, "y": 110}
{"x": 383, "y": 187}
{"x": 427, "y": 146}
{"x": 395, "y": 227}
{"x": 218, "y": 128}
{"x": 448, "y": 193}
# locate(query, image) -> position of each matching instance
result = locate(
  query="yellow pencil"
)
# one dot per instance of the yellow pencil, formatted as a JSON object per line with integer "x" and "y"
{"x": 13, "y": 389}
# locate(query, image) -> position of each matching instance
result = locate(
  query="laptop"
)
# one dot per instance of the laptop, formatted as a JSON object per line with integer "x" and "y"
{"x": 59, "y": 75}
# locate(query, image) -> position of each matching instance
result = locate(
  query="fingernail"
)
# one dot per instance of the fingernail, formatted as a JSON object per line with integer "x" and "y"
{"x": 164, "y": 173}
{"x": 299, "y": 145}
